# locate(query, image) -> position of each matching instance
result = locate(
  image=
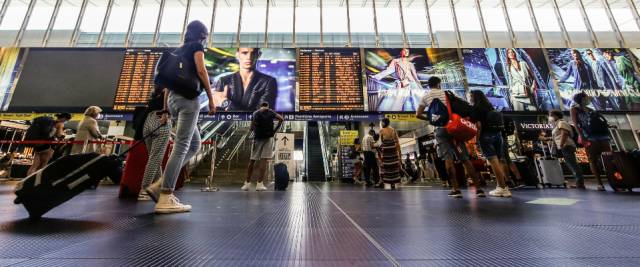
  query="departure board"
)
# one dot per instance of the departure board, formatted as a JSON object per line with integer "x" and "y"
{"x": 330, "y": 79}
{"x": 136, "y": 78}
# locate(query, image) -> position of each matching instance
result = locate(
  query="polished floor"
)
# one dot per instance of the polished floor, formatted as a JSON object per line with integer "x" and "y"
{"x": 329, "y": 225}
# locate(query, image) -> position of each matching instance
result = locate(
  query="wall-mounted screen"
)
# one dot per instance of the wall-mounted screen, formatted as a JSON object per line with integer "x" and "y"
{"x": 607, "y": 75}
{"x": 515, "y": 79}
{"x": 10, "y": 58}
{"x": 136, "y": 78}
{"x": 244, "y": 78}
{"x": 67, "y": 79}
{"x": 330, "y": 79}
{"x": 397, "y": 78}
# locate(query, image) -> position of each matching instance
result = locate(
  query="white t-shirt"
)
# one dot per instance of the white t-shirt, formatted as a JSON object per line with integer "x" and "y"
{"x": 368, "y": 143}
{"x": 431, "y": 95}
{"x": 557, "y": 137}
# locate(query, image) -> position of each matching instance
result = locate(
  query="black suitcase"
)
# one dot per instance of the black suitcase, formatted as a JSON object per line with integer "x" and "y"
{"x": 64, "y": 179}
{"x": 526, "y": 170}
{"x": 281, "y": 175}
{"x": 621, "y": 167}
{"x": 67, "y": 177}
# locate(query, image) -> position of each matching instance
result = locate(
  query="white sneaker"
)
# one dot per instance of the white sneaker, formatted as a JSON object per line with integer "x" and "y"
{"x": 246, "y": 186}
{"x": 387, "y": 186}
{"x": 153, "y": 191}
{"x": 168, "y": 203}
{"x": 260, "y": 187}
{"x": 500, "y": 192}
{"x": 144, "y": 196}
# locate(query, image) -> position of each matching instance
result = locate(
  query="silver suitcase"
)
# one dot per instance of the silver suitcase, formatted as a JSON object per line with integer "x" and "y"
{"x": 549, "y": 170}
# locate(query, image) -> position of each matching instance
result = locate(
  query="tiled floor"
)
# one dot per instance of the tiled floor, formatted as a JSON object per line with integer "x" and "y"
{"x": 328, "y": 225}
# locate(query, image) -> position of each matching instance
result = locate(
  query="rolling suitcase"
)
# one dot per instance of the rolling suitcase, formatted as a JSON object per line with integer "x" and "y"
{"x": 281, "y": 175}
{"x": 65, "y": 178}
{"x": 549, "y": 170}
{"x": 133, "y": 172}
{"x": 525, "y": 168}
{"x": 621, "y": 167}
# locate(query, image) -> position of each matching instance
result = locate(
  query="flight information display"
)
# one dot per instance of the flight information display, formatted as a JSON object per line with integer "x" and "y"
{"x": 330, "y": 80}
{"x": 136, "y": 78}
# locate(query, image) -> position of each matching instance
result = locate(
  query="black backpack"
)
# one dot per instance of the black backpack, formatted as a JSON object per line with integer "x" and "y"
{"x": 494, "y": 121}
{"x": 437, "y": 113}
{"x": 41, "y": 129}
{"x": 176, "y": 72}
{"x": 263, "y": 120}
{"x": 458, "y": 105}
{"x": 593, "y": 123}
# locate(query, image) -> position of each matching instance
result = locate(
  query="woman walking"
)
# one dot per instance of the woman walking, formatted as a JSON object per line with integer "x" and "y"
{"x": 184, "y": 108}
{"x": 390, "y": 154}
{"x": 89, "y": 131}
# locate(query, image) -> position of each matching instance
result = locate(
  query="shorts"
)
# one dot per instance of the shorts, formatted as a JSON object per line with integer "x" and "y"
{"x": 597, "y": 147}
{"x": 492, "y": 145}
{"x": 445, "y": 146}
{"x": 262, "y": 148}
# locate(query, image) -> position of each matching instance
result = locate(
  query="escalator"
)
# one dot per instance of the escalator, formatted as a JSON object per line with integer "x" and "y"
{"x": 314, "y": 159}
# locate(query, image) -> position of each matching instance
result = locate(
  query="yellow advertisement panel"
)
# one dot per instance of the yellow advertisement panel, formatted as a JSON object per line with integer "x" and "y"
{"x": 347, "y": 137}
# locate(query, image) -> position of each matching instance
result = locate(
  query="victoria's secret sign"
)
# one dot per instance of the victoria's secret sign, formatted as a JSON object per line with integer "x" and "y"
{"x": 527, "y": 126}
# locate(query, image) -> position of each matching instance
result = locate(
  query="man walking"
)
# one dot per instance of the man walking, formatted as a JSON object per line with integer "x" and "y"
{"x": 370, "y": 161}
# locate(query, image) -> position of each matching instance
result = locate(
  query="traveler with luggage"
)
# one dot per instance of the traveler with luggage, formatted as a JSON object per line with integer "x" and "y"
{"x": 593, "y": 133}
{"x": 157, "y": 119}
{"x": 391, "y": 165}
{"x": 184, "y": 73}
{"x": 45, "y": 128}
{"x": 88, "y": 131}
{"x": 370, "y": 161}
{"x": 262, "y": 145}
{"x": 490, "y": 125}
{"x": 447, "y": 148}
{"x": 563, "y": 139}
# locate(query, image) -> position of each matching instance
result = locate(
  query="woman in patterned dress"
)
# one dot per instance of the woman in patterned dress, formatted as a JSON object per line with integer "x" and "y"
{"x": 390, "y": 170}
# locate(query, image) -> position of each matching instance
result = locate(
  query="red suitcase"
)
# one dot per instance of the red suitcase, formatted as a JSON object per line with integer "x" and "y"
{"x": 133, "y": 172}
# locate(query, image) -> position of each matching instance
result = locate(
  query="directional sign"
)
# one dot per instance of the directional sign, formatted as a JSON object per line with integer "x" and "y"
{"x": 284, "y": 151}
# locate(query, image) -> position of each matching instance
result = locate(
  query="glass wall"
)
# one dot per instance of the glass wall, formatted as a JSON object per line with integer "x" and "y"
{"x": 329, "y": 23}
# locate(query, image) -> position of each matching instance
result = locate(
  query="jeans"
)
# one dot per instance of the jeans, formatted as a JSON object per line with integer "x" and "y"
{"x": 569, "y": 153}
{"x": 492, "y": 144}
{"x": 187, "y": 141}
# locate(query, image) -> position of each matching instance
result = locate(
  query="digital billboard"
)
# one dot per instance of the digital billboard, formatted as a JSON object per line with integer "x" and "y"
{"x": 607, "y": 75}
{"x": 397, "y": 78}
{"x": 515, "y": 79}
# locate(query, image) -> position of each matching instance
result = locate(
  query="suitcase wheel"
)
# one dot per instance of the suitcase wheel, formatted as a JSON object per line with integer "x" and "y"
{"x": 564, "y": 185}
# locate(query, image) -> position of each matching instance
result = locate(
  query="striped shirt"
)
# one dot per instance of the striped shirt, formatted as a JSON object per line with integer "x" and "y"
{"x": 368, "y": 143}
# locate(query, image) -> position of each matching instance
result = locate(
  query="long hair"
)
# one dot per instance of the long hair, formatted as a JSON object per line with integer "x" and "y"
{"x": 480, "y": 100}
{"x": 196, "y": 32}
{"x": 579, "y": 60}
{"x": 509, "y": 59}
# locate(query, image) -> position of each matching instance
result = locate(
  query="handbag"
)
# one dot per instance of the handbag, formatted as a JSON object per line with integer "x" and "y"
{"x": 460, "y": 128}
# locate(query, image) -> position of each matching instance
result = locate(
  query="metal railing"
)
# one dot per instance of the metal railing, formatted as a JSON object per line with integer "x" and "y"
{"x": 323, "y": 129}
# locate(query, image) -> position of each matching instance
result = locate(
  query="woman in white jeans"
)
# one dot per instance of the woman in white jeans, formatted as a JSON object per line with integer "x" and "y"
{"x": 184, "y": 108}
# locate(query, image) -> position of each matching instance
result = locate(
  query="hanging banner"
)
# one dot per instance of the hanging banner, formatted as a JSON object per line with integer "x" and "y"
{"x": 284, "y": 151}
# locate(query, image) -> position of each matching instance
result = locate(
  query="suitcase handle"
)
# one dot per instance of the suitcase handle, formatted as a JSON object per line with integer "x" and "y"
{"x": 617, "y": 138}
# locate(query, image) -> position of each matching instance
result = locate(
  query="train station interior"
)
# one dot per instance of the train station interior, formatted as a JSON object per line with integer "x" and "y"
{"x": 319, "y": 133}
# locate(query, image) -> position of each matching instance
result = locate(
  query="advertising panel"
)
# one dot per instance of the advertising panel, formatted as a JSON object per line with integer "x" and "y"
{"x": 10, "y": 58}
{"x": 607, "y": 75}
{"x": 244, "y": 78}
{"x": 397, "y": 78}
{"x": 513, "y": 79}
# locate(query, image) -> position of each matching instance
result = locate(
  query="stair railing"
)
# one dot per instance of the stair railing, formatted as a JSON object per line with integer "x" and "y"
{"x": 323, "y": 130}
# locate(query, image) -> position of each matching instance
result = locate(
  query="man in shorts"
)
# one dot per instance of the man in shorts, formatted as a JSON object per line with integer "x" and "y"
{"x": 262, "y": 145}
{"x": 446, "y": 149}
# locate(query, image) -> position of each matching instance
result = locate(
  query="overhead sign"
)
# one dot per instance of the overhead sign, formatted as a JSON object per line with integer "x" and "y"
{"x": 284, "y": 151}
{"x": 402, "y": 117}
{"x": 347, "y": 137}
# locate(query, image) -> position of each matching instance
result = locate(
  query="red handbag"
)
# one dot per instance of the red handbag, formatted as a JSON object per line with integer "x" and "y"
{"x": 460, "y": 128}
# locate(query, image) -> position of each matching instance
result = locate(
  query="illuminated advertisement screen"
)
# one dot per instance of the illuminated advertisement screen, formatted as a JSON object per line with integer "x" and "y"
{"x": 514, "y": 79}
{"x": 330, "y": 80}
{"x": 607, "y": 75}
{"x": 10, "y": 58}
{"x": 397, "y": 78}
{"x": 244, "y": 78}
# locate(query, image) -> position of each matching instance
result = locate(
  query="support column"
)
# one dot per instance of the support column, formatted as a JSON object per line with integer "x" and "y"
{"x": 594, "y": 38}
{"x": 565, "y": 33}
{"x": 186, "y": 20}
{"x": 158, "y": 23}
{"x": 52, "y": 21}
{"x": 349, "y": 43}
{"x": 431, "y": 36}
{"x": 239, "y": 24}
{"x": 512, "y": 35}
{"x": 74, "y": 35}
{"x": 213, "y": 23}
{"x": 25, "y": 22}
{"x": 3, "y": 10}
{"x": 266, "y": 26}
{"x": 295, "y": 5}
{"x": 621, "y": 42}
{"x": 375, "y": 23}
{"x": 321, "y": 25}
{"x": 455, "y": 23}
{"x": 105, "y": 22}
{"x": 485, "y": 35}
{"x": 132, "y": 20}
{"x": 534, "y": 20}
{"x": 634, "y": 11}
{"x": 405, "y": 42}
